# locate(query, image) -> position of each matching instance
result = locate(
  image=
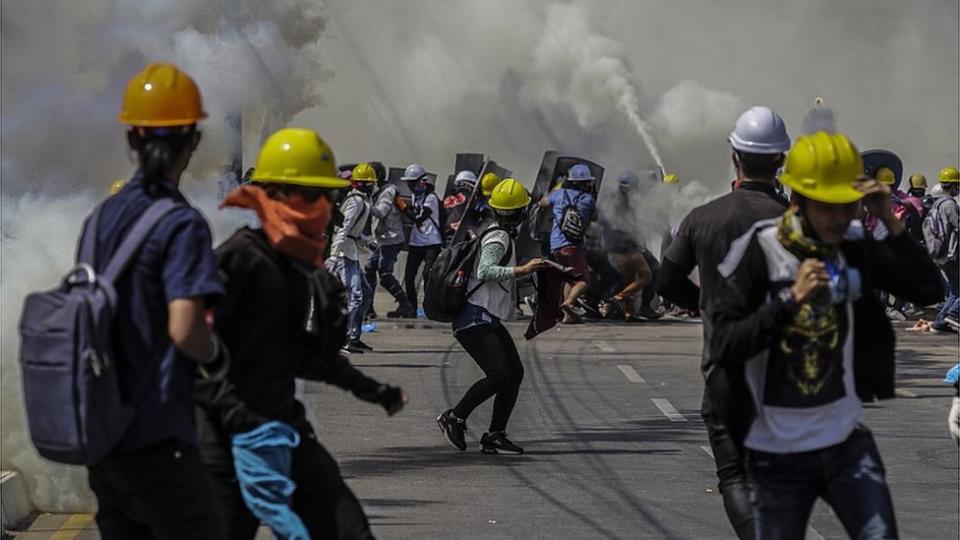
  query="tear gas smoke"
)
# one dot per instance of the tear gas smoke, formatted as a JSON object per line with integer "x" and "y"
{"x": 820, "y": 118}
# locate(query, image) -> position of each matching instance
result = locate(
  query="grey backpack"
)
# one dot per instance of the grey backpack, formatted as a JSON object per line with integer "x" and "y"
{"x": 76, "y": 408}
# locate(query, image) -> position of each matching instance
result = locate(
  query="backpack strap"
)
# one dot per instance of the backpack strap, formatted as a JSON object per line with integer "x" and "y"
{"x": 135, "y": 238}
{"x": 88, "y": 241}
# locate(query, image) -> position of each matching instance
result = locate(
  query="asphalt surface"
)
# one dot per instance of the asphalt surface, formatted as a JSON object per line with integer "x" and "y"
{"x": 609, "y": 417}
{"x": 615, "y": 448}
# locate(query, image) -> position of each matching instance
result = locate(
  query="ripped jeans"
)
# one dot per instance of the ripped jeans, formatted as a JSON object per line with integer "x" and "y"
{"x": 849, "y": 476}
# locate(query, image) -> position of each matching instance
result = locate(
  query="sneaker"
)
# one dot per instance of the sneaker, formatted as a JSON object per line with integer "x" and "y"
{"x": 371, "y": 315}
{"x": 403, "y": 312}
{"x": 361, "y": 345}
{"x": 942, "y": 329}
{"x": 894, "y": 314}
{"x": 648, "y": 313}
{"x": 952, "y": 322}
{"x": 498, "y": 443}
{"x": 453, "y": 429}
{"x": 351, "y": 348}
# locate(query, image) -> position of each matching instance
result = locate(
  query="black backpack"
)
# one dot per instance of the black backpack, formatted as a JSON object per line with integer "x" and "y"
{"x": 572, "y": 223}
{"x": 445, "y": 293}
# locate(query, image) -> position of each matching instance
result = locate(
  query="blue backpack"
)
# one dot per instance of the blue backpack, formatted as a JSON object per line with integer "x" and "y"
{"x": 75, "y": 405}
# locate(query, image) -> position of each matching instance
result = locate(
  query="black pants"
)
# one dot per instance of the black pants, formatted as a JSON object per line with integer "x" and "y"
{"x": 650, "y": 291}
{"x": 492, "y": 348}
{"x": 728, "y": 453}
{"x": 417, "y": 255}
{"x": 322, "y": 500}
{"x": 158, "y": 492}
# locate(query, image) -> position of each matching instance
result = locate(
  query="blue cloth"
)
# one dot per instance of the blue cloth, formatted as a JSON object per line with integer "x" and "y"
{"x": 263, "y": 459}
{"x": 953, "y": 375}
{"x": 560, "y": 199}
{"x": 951, "y": 305}
{"x": 176, "y": 261}
{"x": 359, "y": 292}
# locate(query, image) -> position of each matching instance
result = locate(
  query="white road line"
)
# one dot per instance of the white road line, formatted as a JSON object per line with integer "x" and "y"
{"x": 603, "y": 346}
{"x": 668, "y": 410}
{"x": 900, "y": 392}
{"x": 631, "y": 374}
{"x": 708, "y": 450}
{"x": 812, "y": 534}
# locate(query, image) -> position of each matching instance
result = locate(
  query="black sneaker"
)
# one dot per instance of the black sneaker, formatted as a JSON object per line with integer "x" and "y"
{"x": 648, "y": 312}
{"x": 351, "y": 348}
{"x": 360, "y": 345}
{"x": 403, "y": 312}
{"x": 453, "y": 429}
{"x": 371, "y": 315}
{"x": 498, "y": 443}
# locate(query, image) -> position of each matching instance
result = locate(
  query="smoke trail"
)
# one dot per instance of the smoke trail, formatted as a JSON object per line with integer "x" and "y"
{"x": 575, "y": 65}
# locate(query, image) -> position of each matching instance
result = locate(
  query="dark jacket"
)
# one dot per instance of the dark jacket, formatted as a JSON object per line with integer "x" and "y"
{"x": 267, "y": 319}
{"x": 748, "y": 315}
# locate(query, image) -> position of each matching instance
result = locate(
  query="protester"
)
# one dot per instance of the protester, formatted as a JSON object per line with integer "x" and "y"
{"x": 574, "y": 208}
{"x": 480, "y": 331}
{"x": 390, "y": 237}
{"x": 456, "y": 203}
{"x": 425, "y": 237}
{"x": 153, "y": 484}
{"x": 942, "y": 234}
{"x": 797, "y": 308}
{"x": 348, "y": 243}
{"x": 283, "y": 317}
{"x": 759, "y": 141}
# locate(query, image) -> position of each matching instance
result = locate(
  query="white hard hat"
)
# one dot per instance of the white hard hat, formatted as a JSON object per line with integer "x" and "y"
{"x": 465, "y": 177}
{"x": 413, "y": 172}
{"x": 760, "y": 131}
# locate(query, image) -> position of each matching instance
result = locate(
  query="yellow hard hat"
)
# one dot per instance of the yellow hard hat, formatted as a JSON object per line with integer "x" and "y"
{"x": 918, "y": 181}
{"x": 117, "y": 185}
{"x": 949, "y": 175}
{"x": 161, "y": 96}
{"x": 363, "y": 172}
{"x": 885, "y": 175}
{"x": 488, "y": 182}
{"x": 671, "y": 179}
{"x": 823, "y": 167}
{"x": 509, "y": 195}
{"x": 300, "y": 157}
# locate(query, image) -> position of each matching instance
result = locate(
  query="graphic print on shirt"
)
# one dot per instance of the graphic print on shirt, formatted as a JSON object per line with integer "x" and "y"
{"x": 805, "y": 369}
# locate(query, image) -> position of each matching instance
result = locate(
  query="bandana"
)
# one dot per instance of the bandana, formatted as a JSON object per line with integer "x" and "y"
{"x": 791, "y": 236}
{"x": 293, "y": 227}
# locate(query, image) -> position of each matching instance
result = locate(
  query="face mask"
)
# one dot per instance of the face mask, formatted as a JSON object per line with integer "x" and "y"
{"x": 293, "y": 226}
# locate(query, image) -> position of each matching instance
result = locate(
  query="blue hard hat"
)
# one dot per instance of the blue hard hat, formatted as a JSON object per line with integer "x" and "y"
{"x": 580, "y": 173}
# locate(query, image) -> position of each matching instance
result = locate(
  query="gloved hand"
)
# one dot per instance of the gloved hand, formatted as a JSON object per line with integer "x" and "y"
{"x": 954, "y": 419}
{"x": 392, "y": 399}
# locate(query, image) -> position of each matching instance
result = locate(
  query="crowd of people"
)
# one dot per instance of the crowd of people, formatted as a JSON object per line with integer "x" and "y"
{"x": 795, "y": 295}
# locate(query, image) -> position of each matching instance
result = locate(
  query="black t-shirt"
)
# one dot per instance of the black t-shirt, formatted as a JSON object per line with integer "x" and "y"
{"x": 705, "y": 234}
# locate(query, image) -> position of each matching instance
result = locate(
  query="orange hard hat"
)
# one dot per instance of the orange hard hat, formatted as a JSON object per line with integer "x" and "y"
{"x": 161, "y": 96}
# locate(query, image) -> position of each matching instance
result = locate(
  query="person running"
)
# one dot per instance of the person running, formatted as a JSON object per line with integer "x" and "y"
{"x": 344, "y": 260}
{"x": 944, "y": 246}
{"x": 703, "y": 238}
{"x": 390, "y": 240}
{"x": 282, "y": 316}
{"x": 797, "y": 309}
{"x": 480, "y": 331}
{"x": 574, "y": 207}
{"x": 153, "y": 484}
{"x": 425, "y": 237}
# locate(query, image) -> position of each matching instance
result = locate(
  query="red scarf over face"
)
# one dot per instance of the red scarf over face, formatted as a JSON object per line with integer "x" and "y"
{"x": 293, "y": 226}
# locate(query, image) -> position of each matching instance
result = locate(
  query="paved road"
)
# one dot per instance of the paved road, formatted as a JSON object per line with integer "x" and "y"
{"x": 609, "y": 415}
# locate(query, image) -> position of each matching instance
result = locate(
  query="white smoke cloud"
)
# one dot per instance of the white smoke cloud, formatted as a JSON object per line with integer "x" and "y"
{"x": 690, "y": 111}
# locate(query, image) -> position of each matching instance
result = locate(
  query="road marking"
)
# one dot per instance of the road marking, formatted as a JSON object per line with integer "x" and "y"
{"x": 603, "y": 346}
{"x": 812, "y": 534}
{"x": 708, "y": 450}
{"x": 900, "y": 392}
{"x": 631, "y": 374}
{"x": 72, "y": 527}
{"x": 668, "y": 410}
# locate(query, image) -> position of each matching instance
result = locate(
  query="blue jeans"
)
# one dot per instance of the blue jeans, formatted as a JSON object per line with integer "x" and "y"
{"x": 952, "y": 304}
{"x": 359, "y": 293}
{"x": 381, "y": 263}
{"x": 849, "y": 476}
